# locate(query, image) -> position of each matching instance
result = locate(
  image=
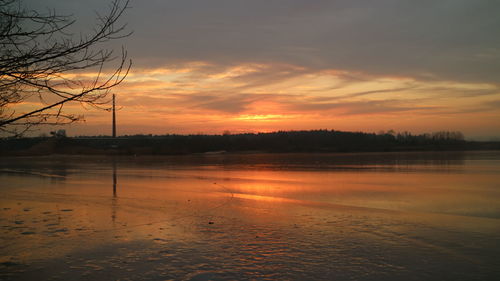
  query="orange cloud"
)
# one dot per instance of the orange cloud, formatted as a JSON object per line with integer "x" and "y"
{"x": 202, "y": 97}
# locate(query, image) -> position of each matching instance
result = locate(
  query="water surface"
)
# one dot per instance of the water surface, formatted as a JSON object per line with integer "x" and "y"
{"x": 373, "y": 216}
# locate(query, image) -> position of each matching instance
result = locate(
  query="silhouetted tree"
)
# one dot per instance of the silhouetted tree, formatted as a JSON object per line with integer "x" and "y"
{"x": 40, "y": 61}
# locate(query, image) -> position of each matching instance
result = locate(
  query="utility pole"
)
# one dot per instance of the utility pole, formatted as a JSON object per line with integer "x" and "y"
{"x": 114, "y": 118}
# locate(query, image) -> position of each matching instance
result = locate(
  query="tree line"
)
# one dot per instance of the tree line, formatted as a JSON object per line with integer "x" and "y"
{"x": 275, "y": 142}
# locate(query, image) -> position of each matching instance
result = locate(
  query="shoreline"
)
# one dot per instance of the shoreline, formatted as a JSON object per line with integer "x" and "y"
{"x": 118, "y": 153}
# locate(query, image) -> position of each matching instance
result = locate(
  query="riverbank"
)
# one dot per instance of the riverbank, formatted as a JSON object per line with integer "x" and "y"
{"x": 277, "y": 142}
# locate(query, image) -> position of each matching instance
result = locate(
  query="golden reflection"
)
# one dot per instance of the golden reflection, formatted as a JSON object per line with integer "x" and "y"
{"x": 114, "y": 200}
{"x": 241, "y": 204}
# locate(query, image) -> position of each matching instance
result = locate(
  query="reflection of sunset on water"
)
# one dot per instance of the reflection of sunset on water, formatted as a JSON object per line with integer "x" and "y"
{"x": 261, "y": 216}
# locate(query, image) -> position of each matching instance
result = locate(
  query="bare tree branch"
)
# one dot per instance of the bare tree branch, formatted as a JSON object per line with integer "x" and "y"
{"x": 39, "y": 58}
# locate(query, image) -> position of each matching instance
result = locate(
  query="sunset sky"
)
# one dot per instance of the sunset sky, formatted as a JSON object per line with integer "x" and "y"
{"x": 260, "y": 65}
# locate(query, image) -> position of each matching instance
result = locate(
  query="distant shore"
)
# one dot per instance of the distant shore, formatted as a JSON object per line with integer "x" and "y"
{"x": 318, "y": 141}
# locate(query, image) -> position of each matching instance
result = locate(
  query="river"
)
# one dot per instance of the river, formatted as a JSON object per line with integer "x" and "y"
{"x": 370, "y": 216}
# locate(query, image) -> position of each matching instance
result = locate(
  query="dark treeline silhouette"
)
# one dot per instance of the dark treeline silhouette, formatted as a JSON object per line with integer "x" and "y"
{"x": 282, "y": 141}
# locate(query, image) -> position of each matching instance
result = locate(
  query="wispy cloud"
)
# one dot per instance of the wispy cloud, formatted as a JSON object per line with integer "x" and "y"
{"x": 244, "y": 88}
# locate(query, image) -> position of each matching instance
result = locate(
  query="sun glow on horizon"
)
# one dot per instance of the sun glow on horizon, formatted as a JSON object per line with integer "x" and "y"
{"x": 263, "y": 117}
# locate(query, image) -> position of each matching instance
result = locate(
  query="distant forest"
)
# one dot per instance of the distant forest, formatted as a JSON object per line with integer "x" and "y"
{"x": 275, "y": 142}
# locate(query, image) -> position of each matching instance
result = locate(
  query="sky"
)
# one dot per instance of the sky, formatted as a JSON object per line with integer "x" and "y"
{"x": 267, "y": 65}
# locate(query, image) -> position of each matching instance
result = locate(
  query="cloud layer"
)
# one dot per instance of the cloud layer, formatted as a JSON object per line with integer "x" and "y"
{"x": 206, "y": 66}
{"x": 455, "y": 40}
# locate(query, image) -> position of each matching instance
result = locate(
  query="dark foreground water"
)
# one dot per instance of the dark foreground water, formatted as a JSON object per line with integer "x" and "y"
{"x": 394, "y": 216}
